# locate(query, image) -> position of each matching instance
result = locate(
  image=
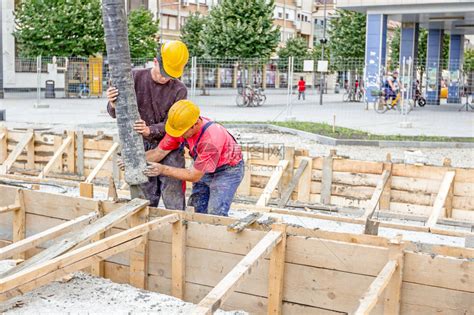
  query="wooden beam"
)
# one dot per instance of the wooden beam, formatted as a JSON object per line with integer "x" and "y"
{"x": 71, "y": 153}
{"x": 7, "y": 164}
{"x": 289, "y": 155}
{"x": 445, "y": 187}
{"x": 31, "y": 273}
{"x": 272, "y": 183}
{"x": 372, "y": 206}
{"x": 73, "y": 239}
{"x": 19, "y": 223}
{"x": 3, "y": 144}
{"x": 304, "y": 184}
{"x": 370, "y": 298}
{"x": 178, "y": 259}
{"x": 86, "y": 190}
{"x": 244, "y": 187}
{"x": 243, "y": 223}
{"x": 49, "y": 234}
{"x": 217, "y": 296}
{"x": 292, "y": 185}
{"x": 104, "y": 159}
{"x": 326, "y": 181}
{"x": 56, "y": 157}
{"x": 276, "y": 273}
{"x": 139, "y": 255}
{"x": 80, "y": 153}
{"x": 30, "y": 151}
{"x": 394, "y": 288}
{"x": 384, "y": 203}
{"x": 13, "y": 207}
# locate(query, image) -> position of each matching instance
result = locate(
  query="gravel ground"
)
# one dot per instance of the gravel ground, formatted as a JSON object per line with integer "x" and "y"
{"x": 86, "y": 294}
{"x": 459, "y": 157}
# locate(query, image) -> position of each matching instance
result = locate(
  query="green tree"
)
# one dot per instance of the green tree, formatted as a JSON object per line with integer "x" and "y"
{"x": 192, "y": 34}
{"x": 142, "y": 32}
{"x": 294, "y": 47}
{"x": 469, "y": 60}
{"x": 347, "y": 36}
{"x": 59, "y": 28}
{"x": 241, "y": 28}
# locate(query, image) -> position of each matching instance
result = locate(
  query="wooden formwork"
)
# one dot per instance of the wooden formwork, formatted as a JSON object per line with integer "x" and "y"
{"x": 274, "y": 176}
{"x": 274, "y": 269}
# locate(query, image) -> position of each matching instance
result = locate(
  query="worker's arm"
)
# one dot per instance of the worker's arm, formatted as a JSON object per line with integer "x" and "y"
{"x": 189, "y": 175}
{"x": 156, "y": 155}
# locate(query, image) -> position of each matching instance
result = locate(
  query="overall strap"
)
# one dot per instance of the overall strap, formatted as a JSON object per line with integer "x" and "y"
{"x": 207, "y": 125}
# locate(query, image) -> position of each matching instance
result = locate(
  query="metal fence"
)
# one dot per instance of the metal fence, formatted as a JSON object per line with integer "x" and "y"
{"x": 88, "y": 77}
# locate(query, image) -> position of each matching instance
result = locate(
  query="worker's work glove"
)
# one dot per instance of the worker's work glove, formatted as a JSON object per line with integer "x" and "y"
{"x": 153, "y": 169}
{"x": 141, "y": 127}
{"x": 112, "y": 94}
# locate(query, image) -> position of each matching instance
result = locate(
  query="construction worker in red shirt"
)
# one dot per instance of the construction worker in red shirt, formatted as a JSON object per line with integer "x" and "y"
{"x": 301, "y": 88}
{"x": 218, "y": 166}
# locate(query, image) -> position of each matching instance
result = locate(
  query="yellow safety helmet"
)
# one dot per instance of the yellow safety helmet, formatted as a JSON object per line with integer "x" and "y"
{"x": 173, "y": 57}
{"x": 181, "y": 116}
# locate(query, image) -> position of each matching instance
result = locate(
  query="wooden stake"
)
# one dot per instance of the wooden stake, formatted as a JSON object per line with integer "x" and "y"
{"x": 304, "y": 184}
{"x": 86, "y": 190}
{"x": 57, "y": 158}
{"x": 326, "y": 182}
{"x": 112, "y": 191}
{"x": 244, "y": 187}
{"x": 178, "y": 259}
{"x": 71, "y": 153}
{"x": 3, "y": 144}
{"x": 276, "y": 273}
{"x": 394, "y": 288}
{"x": 19, "y": 223}
{"x": 7, "y": 164}
{"x": 139, "y": 255}
{"x": 80, "y": 153}
{"x": 272, "y": 183}
{"x": 104, "y": 159}
{"x": 285, "y": 197}
{"x": 444, "y": 189}
{"x": 384, "y": 203}
{"x": 288, "y": 173}
{"x": 30, "y": 152}
{"x": 372, "y": 206}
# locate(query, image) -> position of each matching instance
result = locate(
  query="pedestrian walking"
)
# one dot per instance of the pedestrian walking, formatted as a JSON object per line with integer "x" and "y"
{"x": 301, "y": 88}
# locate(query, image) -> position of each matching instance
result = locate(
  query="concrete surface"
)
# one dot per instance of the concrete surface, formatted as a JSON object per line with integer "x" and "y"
{"x": 444, "y": 120}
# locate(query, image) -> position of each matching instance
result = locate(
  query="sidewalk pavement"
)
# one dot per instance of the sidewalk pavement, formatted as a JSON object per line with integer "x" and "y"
{"x": 444, "y": 120}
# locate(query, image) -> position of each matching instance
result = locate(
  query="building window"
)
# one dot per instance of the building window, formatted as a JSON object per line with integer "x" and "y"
{"x": 135, "y": 4}
{"x": 169, "y": 22}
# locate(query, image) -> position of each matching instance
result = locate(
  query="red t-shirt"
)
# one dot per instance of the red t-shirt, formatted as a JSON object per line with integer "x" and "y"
{"x": 215, "y": 149}
{"x": 301, "y": 86}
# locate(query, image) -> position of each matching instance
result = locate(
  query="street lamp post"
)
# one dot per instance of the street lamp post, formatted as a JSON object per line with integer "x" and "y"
{"x": 323, "y": 42}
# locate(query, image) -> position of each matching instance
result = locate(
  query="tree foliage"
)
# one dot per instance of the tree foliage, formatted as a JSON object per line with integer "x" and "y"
{"x": 59, "y": 28}
{"x": 347, "y": 35}
{"x": 241, "y": 28}
{"x": 298, "y": 48}
{"x": 469, "y": 60}
{"x": 192, "y": 34}
{"x": 74, "y": 28}
{"x": 142, "y": 32}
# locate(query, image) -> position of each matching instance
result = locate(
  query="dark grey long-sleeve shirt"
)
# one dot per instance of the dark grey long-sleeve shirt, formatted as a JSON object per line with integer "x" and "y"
{"x": 154, "y": 101}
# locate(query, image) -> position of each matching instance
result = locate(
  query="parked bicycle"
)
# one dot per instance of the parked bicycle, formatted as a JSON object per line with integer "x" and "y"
{"x": 250, "y": 97}
{"x": 353, "y": 95}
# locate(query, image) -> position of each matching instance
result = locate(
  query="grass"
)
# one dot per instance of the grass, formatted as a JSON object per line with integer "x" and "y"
{"x": 348, "y": 133}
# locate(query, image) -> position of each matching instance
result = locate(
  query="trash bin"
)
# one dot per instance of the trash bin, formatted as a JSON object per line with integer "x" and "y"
{"x": 49, "y": 92}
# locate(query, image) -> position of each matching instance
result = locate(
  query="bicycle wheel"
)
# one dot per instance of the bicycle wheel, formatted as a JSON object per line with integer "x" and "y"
{"x": 345, "y": 97}
{"x": 84, "y": 93}
{"x": 241, "y": 100}
{"x": 421, "y": 102}
{"x": 260, "y": 99}
{"x": 380, "y": 107}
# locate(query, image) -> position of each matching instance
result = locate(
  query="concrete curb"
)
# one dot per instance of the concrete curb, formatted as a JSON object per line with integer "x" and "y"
{"x": 372, "y": 143}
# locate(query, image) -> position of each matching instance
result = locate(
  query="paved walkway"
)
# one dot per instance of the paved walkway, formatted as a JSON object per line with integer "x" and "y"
{"x": 444, "y": 120}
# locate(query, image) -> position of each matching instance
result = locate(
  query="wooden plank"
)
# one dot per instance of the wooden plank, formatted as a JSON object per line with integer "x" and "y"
{"x": 370, "y": 298}
{"x": 272, "y": 183}
{"x": 139, "y": 255}
{"x": 30, "y": 152}
{"x": 71, "y": 153}
{"x": 276, "y": 273}
{"x": 56, "y": 157}
{"x": 304, "y": 184}
{"x": 115, "y": 168}
{"x": 289, "y": 155}
{"x": 394, "y": 288}
{"x": 86, "y": 190}
{"x": 3, "y": 144}
{"x": 384, "y": 203}
{"x": 41, "y": 237}
{"x": 355, "y": 166}
{"x": 446, "y": 186}
{"x": 326, "y": 180}
{"x": 31, "y": 273}
{"x": 10, "y": 208}
{"x": 58, "y": 167}
{"x": 104, "y": 159}
{"x": 73, "y": 239}
{"x": 178, "y": 259}
{"x": 369, "y": 211}
{"x": 226, "y": 286}
{"x": 7, "y": 164}
{"x": 80, "y": 152}
{"x": 19, "y": 223}
{"x": 292, "y": 184}
{"x": 244, "y": 187}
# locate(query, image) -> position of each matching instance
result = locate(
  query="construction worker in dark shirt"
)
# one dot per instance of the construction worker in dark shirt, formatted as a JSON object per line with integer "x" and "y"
{"x": 157, "y": 89}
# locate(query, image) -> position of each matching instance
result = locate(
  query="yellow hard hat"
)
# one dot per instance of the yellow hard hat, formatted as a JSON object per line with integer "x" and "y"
{"x": 181, "y": 116}
{"x": 173, "y": 57}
